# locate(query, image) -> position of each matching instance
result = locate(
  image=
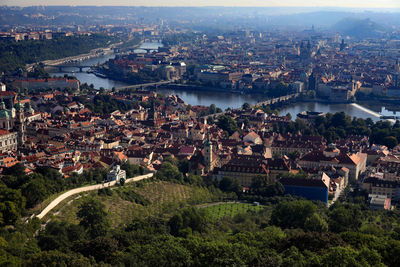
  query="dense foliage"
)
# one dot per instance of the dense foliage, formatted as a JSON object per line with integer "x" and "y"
{"x": 105, "y": 104}
{"x": 19, "y": 191}
{"x": 15, "y": 55}
{"x": 228, "y": 124}
{"x": 283, "y": 232}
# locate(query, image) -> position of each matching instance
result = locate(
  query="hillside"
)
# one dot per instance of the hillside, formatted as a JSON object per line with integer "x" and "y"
{"x": 359, "y": 28}
{"x": 138, "y": 200}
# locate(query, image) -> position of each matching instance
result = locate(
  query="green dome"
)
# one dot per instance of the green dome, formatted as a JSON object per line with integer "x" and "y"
{"x": 18, "y": 105}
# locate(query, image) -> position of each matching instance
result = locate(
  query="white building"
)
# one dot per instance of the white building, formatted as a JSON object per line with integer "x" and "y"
{"x": 116, "y": 174}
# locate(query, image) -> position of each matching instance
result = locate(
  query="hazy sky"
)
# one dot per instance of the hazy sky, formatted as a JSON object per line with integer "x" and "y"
{"x": 320, "y": 3}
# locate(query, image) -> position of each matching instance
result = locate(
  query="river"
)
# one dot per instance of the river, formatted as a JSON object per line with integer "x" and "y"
{"x": 98, "y": 82}
{"x": 354, "y": 110}
{"x": 225, "y": 100}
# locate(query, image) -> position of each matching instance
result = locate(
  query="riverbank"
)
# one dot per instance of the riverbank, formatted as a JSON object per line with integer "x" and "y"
{"x": 94, "y": 53}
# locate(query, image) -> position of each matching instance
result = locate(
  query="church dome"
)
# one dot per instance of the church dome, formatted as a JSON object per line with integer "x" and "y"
{"x": 4, "y": 113}
{"x": 18, "y": 105}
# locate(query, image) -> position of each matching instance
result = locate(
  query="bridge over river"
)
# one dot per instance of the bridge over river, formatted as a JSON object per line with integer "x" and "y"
{"x": 266, "y": 102}
{"x": 62, "y": 68}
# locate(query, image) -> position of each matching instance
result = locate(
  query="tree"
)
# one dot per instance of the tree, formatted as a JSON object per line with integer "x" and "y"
{"x": 102, "y": 248}
{"x": 212, "y": 109}
{"x": 12, "y": 204}
{"x": 344, "y": 218}
{"x": 35, "y": 191}
{"x": 340, "y": 256}
{"x": 315, "y": 223}
{"x": 187, "y": 221}
{"x": 93, "y": 217}
{"x": 259, "y": 181}
{"x": 390, "y": 141}
{"x": 183, "y": 166}
{"x": 15, "y": 170}
{"x": 227, "y": 123}
{"x": 57, "y": 258}
{"x": 175, "y": 224}
{"x": 246, "y": 106}
{"x": 194, "y": 179}
{"x": 169, "y": 172}
{"x": 229, "y": 185}
{"x": 292, "y": 214}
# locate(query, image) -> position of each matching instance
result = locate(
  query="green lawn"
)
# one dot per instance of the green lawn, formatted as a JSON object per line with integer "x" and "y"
{"x": 230, "y": 209}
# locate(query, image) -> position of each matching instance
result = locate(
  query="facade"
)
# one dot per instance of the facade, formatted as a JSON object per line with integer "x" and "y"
{"x": 311, "y": 189}
{"x": 8, "y": 141}
{"x": 382, "y": 186}
{"x": 242, "y": 169}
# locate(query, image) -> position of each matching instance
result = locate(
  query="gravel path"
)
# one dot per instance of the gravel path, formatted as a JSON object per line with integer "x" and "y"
{"x": 75, "y": 191}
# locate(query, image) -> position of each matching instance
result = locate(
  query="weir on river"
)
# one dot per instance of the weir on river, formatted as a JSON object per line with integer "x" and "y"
{"x": 373, "y": 113}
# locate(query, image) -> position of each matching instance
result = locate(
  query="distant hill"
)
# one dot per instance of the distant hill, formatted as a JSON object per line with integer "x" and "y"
{"x": 359, "y": 28}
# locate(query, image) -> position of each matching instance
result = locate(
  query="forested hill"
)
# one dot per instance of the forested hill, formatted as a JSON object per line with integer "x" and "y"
{"x": 15, "y": 55}
{"x": 158, "y": 222}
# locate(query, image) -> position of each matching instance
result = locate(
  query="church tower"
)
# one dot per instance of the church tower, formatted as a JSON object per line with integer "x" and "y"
{"x": 208, "y": 154}
{"x": 153, "y": 111}
{"x": 20, "y": 123}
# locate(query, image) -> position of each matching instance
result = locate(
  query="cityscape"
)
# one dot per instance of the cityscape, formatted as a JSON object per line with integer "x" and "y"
{"x": 200, "y": 135}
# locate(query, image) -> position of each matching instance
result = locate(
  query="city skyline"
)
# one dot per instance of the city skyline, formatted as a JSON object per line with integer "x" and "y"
{"x": 264, "y": 3}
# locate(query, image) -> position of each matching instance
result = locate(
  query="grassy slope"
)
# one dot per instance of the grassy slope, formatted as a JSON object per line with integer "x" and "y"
{"x": 165, "y": 199}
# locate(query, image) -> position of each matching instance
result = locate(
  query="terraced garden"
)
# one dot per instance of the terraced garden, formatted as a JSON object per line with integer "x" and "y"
{"x": 142, "y": 199}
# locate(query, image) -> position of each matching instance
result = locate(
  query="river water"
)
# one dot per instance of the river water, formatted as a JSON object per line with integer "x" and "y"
{"x": 225, "y": 100}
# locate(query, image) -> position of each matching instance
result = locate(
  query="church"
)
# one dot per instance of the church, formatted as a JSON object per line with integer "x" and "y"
{"x": 12, "y": 122}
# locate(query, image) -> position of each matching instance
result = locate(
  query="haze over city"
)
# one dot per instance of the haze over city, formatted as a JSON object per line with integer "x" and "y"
{"x": 200, "y": 133}
{"x": 283, "y": 3}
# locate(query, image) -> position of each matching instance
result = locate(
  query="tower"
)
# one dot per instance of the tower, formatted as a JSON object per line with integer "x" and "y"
{"x": 342, "y": 45}
{"x": 153, "y": 111}
{"x": 20, "y": 123}
{"x": 312, "y": 82}
{"x": 208, "y": 158}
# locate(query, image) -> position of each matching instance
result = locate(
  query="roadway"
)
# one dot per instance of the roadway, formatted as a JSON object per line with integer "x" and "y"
{"x": 75, "y": 191}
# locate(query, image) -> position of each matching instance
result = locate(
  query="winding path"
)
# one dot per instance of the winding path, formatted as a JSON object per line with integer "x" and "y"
{"x": 75, "y": 191}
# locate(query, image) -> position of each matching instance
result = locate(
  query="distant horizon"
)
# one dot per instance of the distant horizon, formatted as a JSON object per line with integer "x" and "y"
{"x": 358, "y": 4}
